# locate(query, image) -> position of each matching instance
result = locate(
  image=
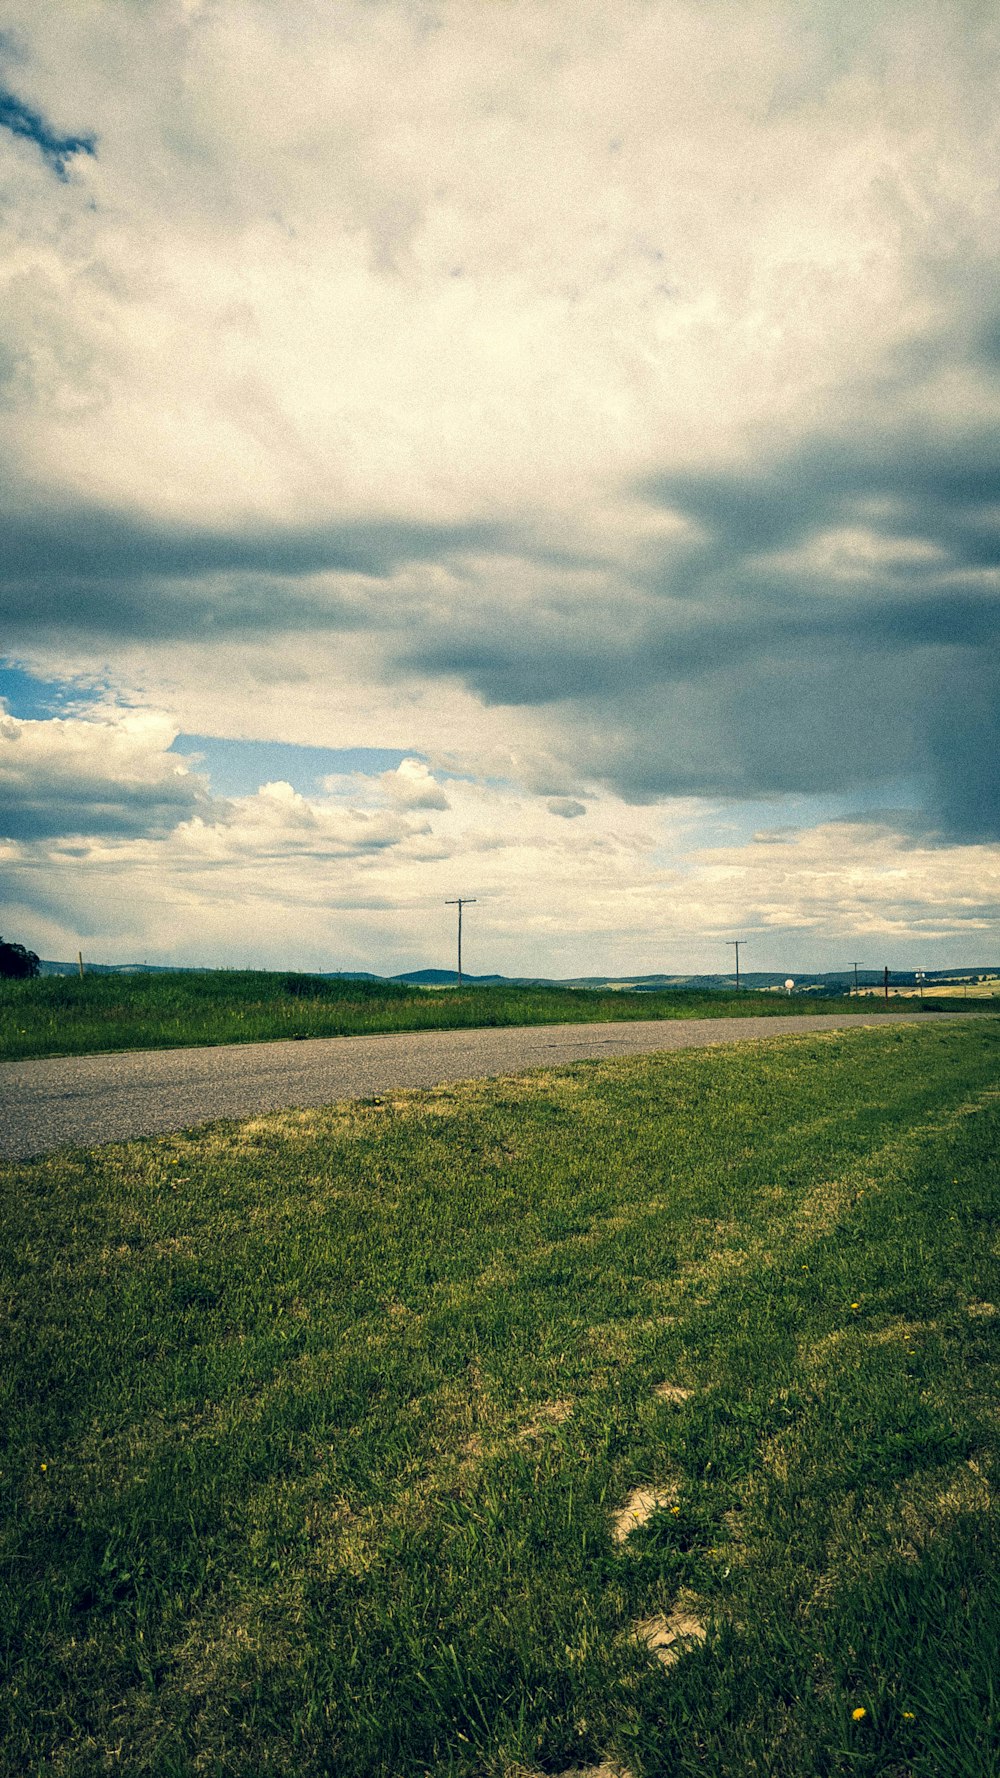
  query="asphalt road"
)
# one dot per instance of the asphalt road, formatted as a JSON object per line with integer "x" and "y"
{"x": 74, "y": 1101}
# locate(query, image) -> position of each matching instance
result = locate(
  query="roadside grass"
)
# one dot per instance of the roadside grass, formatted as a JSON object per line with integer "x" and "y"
{"x": 63, "y": 1015}
{"x": 954, "y": 992}
{"x": 319, "y": 1428}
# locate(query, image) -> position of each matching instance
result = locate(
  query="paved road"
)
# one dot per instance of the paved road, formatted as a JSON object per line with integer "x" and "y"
{"x": 65, "y": 1101}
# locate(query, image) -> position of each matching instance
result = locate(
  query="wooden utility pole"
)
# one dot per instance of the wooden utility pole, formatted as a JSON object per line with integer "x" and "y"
{"x": 885, "y": 983}
{"x": 854, "y": 966}
{"x": 79, "y": 958}
{"x": 737, "y": 942}
{"x": 460, "y": 902}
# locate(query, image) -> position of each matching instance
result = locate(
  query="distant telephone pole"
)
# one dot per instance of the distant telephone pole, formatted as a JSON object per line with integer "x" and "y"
{"x": 737, "y": 942}
{"x": 885, "y": 983}
{"x": 854, "y": 966}
{"x": 460, "y": 902}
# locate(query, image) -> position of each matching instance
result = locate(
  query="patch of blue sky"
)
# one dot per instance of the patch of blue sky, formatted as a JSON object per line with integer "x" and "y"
{"x": 22, "y": 120}
{"x": 33, "y": 699}
{"x": 239, "y": 768}
{"x": 737, "y": 823}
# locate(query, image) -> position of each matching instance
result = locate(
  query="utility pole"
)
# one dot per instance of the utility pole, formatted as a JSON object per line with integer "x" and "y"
{"x": 885, "y": 983}
{"x": 460, "y": 902}
{"x": 737, "y": 942}
{"x": 854, "y": 966}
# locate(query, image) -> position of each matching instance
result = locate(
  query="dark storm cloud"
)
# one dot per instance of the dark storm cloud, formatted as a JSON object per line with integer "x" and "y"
{"x": 21, "y": 120}
{"x": 112, "y": 811}
{"x": 545, "y": 663}
{"x": 94, "y": 572}
{"x": 828, "y": 620}
{"x": 832, "y": 620}
{"x": 946, "y": 496}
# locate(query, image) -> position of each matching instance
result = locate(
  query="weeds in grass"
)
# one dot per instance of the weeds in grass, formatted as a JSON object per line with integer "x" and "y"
{"x": 316, "y": 1429}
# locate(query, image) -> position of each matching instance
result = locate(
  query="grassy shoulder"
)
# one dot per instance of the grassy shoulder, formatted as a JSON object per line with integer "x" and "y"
{"x": 62, "y": 1015}
{"x": 644, "y": 1411}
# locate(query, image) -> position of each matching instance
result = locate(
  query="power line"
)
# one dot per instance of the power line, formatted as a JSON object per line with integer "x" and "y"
{"x": 460, "y": 902}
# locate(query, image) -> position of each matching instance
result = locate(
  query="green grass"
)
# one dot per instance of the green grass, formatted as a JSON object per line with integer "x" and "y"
{"x": 315, "y": 1427}
{"x": 62, "y": 1015}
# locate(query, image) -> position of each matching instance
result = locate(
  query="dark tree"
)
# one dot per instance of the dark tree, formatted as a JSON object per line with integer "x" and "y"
{"x": 16, "y": 963}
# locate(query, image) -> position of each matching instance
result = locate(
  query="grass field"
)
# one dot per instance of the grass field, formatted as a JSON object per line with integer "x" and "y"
{"x": 62, "y": 1015}
{"x": 642, "y": 1412}
{"x": 954, "y": 992}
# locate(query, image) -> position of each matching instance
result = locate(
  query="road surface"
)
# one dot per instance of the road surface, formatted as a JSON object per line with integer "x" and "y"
{"x": 74, "y": 1101}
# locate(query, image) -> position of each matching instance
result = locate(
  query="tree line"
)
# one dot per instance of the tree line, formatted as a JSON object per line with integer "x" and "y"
{"x": 16, "y": 962}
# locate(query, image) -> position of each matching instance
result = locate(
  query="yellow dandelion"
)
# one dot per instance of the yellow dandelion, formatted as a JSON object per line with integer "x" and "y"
{"x": 675, "y": 1509}
{"x": 909, "y": 1716}
{"x": 859, "y": 1714}
{"x": 855, "y": 1305}
{"x": 44, "y": 1466}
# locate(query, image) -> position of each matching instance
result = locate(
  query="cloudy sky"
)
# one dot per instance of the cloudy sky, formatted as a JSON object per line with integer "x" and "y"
{"x": 537, "y": 450}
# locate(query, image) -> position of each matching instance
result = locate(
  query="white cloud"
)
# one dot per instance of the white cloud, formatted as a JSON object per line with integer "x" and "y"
{"x": 857, "y": 881}
{"x": 70, "y": 776}
{"x": 412, "y": 786}
{"x": 338, "y": 880}
{"x": 368, "y": 259}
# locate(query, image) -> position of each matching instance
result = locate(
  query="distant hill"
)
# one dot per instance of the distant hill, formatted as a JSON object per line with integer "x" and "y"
{"x": 835, "y": 981}
{"x": 48, "y": 967}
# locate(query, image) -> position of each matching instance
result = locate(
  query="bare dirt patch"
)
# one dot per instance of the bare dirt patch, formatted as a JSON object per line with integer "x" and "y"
{"x": 604, "y": 1770}
{"x": 675, "y": 1392}
{"x": 639, "y": 1506}
{"x": 668, "y": 1638}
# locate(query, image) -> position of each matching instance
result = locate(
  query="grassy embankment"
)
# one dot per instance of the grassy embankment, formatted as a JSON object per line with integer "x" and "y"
{"x": 317, "y": 1427}
{"x": 62, "y": 1015}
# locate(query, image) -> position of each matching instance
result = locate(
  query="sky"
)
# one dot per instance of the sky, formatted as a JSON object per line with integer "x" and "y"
{"x": 533, "y": 450}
